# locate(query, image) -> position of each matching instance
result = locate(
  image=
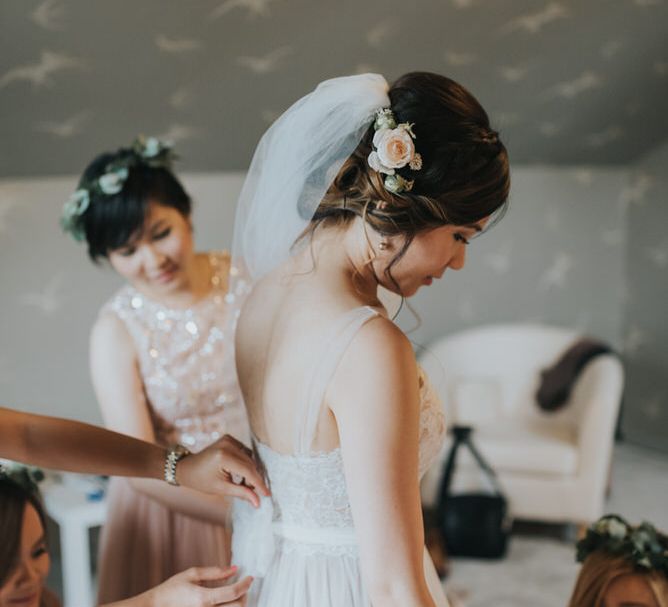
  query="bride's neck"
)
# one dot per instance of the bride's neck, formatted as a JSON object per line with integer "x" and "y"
{"x": 345, "y": 252}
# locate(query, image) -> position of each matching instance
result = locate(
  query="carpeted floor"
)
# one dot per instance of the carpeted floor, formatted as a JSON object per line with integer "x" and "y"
{"x": 539, "y": 570}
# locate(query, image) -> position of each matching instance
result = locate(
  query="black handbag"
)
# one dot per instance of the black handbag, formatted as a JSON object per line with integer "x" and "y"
{"x": 473, "y": 524}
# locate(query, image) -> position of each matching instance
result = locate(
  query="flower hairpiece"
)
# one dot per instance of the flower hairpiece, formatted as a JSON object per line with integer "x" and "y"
{"x": 26, "y": 477}
{"x": 393, "y": 149}
{"x": 643, "y": 546}
{"x": 148, "y": 151}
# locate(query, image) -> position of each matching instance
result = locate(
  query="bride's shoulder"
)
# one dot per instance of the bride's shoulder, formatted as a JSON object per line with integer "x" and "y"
{"x": 378, "y": 348}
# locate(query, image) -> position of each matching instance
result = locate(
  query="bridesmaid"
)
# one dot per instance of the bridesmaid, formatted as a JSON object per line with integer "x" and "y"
{"x": 161, "y": 363}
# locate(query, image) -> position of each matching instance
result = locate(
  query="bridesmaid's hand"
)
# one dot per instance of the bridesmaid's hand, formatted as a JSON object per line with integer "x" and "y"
{"x": 185, "y": 589}
{"x": 227, "y": 468}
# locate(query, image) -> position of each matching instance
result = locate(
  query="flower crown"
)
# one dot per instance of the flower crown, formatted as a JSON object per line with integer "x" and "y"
{"x": 643, "y": 546}
{"x": 147, "y": 151}
{"x": 393, "y": 149}
{"x": 26, "y": 477}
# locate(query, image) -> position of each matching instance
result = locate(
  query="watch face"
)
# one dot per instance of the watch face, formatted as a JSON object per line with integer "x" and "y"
{"x": 180, "y": 451}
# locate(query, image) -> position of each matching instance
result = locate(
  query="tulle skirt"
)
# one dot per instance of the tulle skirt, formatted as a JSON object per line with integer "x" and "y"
{"x": 143, "y": 543}
{"x": 302, "y": 579}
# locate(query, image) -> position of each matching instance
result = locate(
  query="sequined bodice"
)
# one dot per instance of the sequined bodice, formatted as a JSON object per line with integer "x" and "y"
{"x": 310, "y": 490}
{"x": 186, "y": 362}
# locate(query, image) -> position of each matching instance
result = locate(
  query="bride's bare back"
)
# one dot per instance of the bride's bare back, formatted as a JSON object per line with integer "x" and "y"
{"x": 285, "y": 324}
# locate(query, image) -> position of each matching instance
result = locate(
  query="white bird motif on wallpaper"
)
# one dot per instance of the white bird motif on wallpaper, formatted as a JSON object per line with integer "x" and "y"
{"x": 499, "y": 261}
{"x": 269, "y": 116}
{"x": 549, "y": 129}
{"x": 267, "y": 63}
{"x": 6, "y": 206}
{"x": 635, "y": 192}
{"x": 5, "y": 375}
{"x": 513, "y": 73}
{"x": 181, "y": 98}
{"x": 584, "y": 176}
{"x": 604, "y": 137}
{"x": 570, "y": 89}
{"x": 48, "y": 300}
{"x": 504, "y": 119}
{"x": 466, "y": 309}
{"x": 634, "y": 340}
{"x": 612, "y": 237}
{"x": 658, "y": 255}
{"x": 456, "y": 59}
{"x": 178, "y": 132}
{"x": 555, "y": 275}
{"x": 40, "y": 74}
{"x": 653, "y": 407}
{"x": 534, "y": 22}
{"x": 366, "y": 68}
{"x": 611, "y": 48}
{"x": 661, "y": 68}
{"x": 552, "y": 219}
{"x": 177, "y": 45}
{"x": 66, "y": 128}
{"x": 254, "y": 8}
{"x": 382, "y": 31}
{"x": 49, "y": 15}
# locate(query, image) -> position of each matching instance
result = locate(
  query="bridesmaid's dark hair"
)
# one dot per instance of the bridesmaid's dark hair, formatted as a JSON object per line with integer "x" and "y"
{"x": 111, "y": 220}
{"x": 13, "y": 500}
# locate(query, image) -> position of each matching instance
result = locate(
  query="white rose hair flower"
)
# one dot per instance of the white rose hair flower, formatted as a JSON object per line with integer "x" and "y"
{"x": 394, "y": 148}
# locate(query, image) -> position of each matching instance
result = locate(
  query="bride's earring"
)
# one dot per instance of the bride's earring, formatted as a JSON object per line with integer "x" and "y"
{"x": 384, "y": 245}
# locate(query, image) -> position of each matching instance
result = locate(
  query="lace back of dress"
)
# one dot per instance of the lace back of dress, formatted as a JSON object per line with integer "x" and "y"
{"x": 321, "y": 372}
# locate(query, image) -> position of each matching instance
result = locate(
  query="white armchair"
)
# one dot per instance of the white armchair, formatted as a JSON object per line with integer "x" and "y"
{"x": 553, "y": 466}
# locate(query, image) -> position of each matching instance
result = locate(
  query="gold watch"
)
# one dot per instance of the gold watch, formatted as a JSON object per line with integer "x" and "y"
{"x": 174, "y": 455}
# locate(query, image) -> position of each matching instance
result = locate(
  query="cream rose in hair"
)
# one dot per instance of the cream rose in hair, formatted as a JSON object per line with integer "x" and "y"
{"x": 394, "y": 149}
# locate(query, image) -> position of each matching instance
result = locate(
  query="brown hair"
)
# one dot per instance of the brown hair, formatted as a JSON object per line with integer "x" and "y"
{"x": 600, "y": 569}
{"x": 465, "y": 174}
{"x": 13, "y": 500}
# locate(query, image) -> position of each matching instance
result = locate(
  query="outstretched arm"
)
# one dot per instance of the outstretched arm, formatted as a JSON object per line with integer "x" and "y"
{"x": 186, "y": 590}
{"x": 374, "y": 396}
{"x": 69, "y": 445}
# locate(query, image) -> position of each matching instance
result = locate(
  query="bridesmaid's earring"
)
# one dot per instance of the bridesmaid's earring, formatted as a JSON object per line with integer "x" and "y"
{"x": 383, "y": 245}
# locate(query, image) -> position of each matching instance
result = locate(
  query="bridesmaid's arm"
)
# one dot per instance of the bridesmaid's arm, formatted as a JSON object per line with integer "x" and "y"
{"x": 374, "y": 396}
{"x": 185, "y": 590}
{"x": 63, "y": 444}
{"x": 120, "y": 393}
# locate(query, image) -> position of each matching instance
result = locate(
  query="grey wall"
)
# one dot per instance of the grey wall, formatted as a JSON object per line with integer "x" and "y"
{"x": 557, "y": 257}
{"x": 566, "y": 81}
{"x": 646, "y": 329}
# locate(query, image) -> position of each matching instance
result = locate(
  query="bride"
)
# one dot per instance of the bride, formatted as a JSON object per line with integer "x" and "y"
{"x": 358, "y": 185}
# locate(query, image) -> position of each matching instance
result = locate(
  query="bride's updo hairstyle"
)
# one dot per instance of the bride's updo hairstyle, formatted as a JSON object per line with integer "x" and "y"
{"x": 111, "y": 220}
{"x": 464, "y": 177}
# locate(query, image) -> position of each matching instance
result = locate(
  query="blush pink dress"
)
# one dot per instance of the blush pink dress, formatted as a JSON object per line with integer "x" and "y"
{"x": 186, "y": 361}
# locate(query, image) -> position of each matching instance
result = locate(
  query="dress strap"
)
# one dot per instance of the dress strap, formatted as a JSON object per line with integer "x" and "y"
{"x": 321, "y": 373}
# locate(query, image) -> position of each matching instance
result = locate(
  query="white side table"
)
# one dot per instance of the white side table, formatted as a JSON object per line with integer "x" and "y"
{"x": 67, "y": 505}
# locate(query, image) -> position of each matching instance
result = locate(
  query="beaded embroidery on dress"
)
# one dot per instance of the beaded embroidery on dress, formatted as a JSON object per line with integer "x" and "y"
{"x": 301, "y": 545}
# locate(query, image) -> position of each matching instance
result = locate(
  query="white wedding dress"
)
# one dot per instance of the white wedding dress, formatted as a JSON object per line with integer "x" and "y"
{"x": 301, "y": 544}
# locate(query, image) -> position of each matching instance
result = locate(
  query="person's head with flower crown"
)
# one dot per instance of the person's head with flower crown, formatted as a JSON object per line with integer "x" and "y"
{"x": 622, "y": 566}
{"x": 425, "y": 179}
{"x": 130, "y": 208}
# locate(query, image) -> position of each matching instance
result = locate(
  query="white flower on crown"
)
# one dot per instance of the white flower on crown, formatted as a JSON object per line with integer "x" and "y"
{"x": 152, "y": 147}
{"x": 112, "y": 183}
